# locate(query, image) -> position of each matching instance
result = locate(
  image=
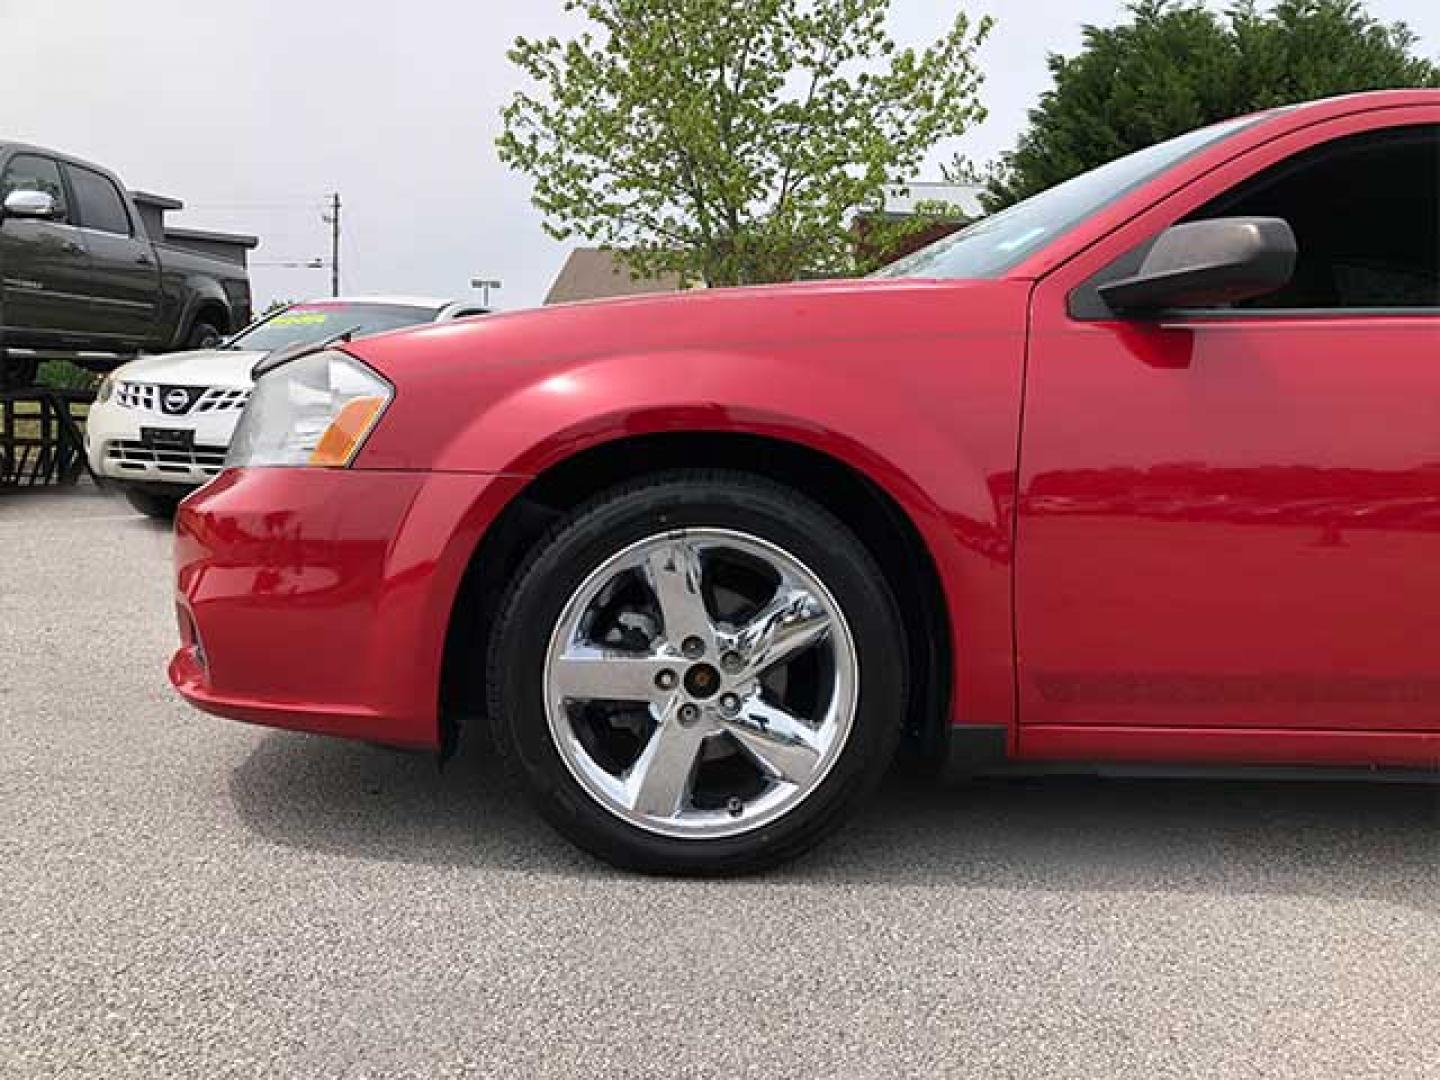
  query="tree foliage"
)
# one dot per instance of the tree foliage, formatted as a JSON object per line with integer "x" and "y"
{"x": 1176, "y": 65}
{"x": 731, "y": 141}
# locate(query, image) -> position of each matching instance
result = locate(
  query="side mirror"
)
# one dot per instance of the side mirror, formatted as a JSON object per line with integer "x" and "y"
{"x": 1204, "y": 263}
{"x": 30, "y": 204}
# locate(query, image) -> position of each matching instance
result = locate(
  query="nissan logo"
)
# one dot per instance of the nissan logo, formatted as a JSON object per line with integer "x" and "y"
{"x": 176, "y": 400}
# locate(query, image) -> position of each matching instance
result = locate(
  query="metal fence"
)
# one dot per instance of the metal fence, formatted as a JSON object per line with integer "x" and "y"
{"x": 42, "y": 439}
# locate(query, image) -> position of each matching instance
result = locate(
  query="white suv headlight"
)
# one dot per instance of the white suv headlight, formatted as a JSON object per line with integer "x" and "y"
{"x": 316, "y": 410}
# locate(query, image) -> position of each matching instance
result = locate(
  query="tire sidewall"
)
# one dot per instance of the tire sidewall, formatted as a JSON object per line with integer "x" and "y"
{"x": 204, "y": 331}
{"x": 595, "y": 534}
{"x": 161, "y": 506}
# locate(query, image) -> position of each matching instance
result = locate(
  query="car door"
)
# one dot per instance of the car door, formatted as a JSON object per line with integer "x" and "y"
{"x": 1229, "y": 520}
{"x": 124, "y": 285}
{"x": 44, "y": 265}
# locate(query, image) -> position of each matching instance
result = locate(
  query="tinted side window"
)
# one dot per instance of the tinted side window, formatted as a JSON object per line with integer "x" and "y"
{"x": 27, "y": 172}
{"x": 100, "y": 205}
{"x": 1366, "y": 215}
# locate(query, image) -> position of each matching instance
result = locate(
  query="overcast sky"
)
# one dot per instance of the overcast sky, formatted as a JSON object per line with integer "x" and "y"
{"x": 252, "y": 110}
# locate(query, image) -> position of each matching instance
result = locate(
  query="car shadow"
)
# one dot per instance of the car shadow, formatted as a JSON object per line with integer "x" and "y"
{"x": 85, "y": 500}
{"x": 1304, "y": 838}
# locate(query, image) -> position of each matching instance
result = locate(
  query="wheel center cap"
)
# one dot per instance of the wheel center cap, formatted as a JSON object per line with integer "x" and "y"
{"x": 702, "y": 681}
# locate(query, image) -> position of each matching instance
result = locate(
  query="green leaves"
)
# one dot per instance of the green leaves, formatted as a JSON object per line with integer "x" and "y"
{"x": 1177, "y": 65}
{"x": 732, "y": 141}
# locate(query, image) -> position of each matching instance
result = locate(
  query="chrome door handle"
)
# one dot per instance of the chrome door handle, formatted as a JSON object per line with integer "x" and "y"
{"x": 73, "y": 248}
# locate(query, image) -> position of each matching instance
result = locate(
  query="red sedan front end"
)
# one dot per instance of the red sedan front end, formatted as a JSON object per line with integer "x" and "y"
{"x": 407, "y": 536}
{"x": 317, "y": 599}
{"x": 317, "y": 595}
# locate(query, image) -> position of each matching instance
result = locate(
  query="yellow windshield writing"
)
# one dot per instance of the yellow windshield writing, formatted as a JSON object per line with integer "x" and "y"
{"x": 300, "y": 318}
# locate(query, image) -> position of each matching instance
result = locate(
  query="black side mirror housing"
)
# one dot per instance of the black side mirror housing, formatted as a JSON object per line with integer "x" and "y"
{"x": 1206, "y": 263}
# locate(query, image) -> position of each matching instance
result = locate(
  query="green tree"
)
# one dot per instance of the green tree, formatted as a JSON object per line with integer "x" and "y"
{"x": 732, "y": 141}
{"x": 1175, "y": 66}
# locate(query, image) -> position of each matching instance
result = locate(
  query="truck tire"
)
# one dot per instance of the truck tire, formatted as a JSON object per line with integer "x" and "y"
{"x": 204, "y": 334}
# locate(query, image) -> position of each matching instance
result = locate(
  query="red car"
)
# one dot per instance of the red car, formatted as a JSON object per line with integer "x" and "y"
{"x": 1145, "y": 470}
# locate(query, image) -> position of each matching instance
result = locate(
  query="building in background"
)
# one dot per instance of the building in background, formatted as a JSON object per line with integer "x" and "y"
{"x": 595, "y": 274}
{"x": 953, "y": 206}
{"x": 962, "y": 199}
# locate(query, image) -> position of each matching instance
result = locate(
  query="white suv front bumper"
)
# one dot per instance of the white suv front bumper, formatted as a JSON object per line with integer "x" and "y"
{"x": 131, "y": 437}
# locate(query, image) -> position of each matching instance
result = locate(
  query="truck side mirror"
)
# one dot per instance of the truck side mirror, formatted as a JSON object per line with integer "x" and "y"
{"x": 1205, "y": 263}
{"x": 24, "y": 203}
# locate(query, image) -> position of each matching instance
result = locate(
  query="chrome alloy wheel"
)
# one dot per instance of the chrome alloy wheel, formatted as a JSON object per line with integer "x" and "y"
{"x": 701, "y": 683}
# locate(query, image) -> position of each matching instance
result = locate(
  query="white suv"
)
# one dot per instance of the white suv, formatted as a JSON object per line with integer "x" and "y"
{"x": 160, "y": 425}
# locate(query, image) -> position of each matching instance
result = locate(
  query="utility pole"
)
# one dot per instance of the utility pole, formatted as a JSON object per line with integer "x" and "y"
{"x": 332, "y": 218}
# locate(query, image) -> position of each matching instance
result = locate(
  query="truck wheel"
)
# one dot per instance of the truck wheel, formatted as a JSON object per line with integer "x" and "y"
{"x": 203, "y": 335}
{"x": 160, "y": 505}
{"x": 699, "y": 674}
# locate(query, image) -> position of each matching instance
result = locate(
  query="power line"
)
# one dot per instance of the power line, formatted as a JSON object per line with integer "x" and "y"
{"x": 257, "y": 206}
{"x": 330, "y": 214}
{"x": 294, "y": 264}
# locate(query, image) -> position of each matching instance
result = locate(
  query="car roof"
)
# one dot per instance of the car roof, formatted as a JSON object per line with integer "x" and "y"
{"x": 393, "y": 300}
{"x": 56, "y": 154}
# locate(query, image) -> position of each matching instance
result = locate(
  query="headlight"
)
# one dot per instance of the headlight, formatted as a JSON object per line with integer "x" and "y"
{"x": 106, "y": 389}
{"x": 316, "y": 410}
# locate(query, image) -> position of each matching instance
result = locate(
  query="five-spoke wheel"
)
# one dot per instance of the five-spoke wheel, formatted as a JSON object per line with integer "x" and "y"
{"x": 701, "y": 682}
{"x": 678, "y": 672}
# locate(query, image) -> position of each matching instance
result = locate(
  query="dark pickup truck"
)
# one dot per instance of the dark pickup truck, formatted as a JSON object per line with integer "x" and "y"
{"x": 80, "y": 277}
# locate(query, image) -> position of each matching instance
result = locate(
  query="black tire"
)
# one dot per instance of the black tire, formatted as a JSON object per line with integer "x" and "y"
{"x": 204, "y": 334}
{"x": 587, "y": 537}
{"x": 160, "y": 505}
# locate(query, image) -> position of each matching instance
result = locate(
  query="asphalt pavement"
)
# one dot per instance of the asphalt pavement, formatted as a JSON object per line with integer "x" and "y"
{"x": 185, "y": 896}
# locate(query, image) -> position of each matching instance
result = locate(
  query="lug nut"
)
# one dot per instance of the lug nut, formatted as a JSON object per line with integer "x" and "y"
{"x": 666, "y": 679}
{"x": 693, "y": 647}
{"x": 732, "y": 662}
{"x": 729, "y": 704}
{"x": 689, "y": 714}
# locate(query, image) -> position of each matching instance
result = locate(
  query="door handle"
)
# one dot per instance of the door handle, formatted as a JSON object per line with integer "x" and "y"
{"x": 143, "y": 260}
{"x": 73, "y": 248}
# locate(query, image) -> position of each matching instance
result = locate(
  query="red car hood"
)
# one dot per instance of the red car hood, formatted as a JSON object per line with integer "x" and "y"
{"x": 703, "y": 319}
{"x": 483, "y": 394}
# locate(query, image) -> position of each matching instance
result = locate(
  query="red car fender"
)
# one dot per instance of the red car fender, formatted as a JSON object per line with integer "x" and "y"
{"x": 948, "y": 460}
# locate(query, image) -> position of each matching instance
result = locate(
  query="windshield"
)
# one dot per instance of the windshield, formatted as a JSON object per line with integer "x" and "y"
{"x": 994, "y": 244}
{"x": 307, "y": 324}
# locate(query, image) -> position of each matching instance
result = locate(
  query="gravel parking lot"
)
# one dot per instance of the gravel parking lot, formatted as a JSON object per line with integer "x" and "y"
{"x": 183, "y": 896}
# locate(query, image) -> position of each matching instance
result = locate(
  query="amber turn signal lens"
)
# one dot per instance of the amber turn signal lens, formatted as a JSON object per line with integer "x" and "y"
{"x": 346, "y": 432}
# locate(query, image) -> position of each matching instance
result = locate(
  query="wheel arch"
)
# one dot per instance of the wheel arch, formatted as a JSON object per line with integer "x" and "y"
{"x": 213, "y": 310}
{"x": 886, "y": 522}
{"x": 206, "y": 297}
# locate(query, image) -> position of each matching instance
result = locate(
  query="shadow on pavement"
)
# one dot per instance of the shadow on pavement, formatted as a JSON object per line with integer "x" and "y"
{"x": 74, "y": 504}
{"x": 1303, "y": 838}
{"x": 50, "y": 496}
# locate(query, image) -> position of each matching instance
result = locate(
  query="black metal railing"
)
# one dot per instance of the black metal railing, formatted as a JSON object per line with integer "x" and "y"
{"x": 42, "y": 438}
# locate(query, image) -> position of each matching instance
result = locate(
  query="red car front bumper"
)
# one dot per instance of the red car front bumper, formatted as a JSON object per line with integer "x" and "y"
{"x": 319, "y": 599}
